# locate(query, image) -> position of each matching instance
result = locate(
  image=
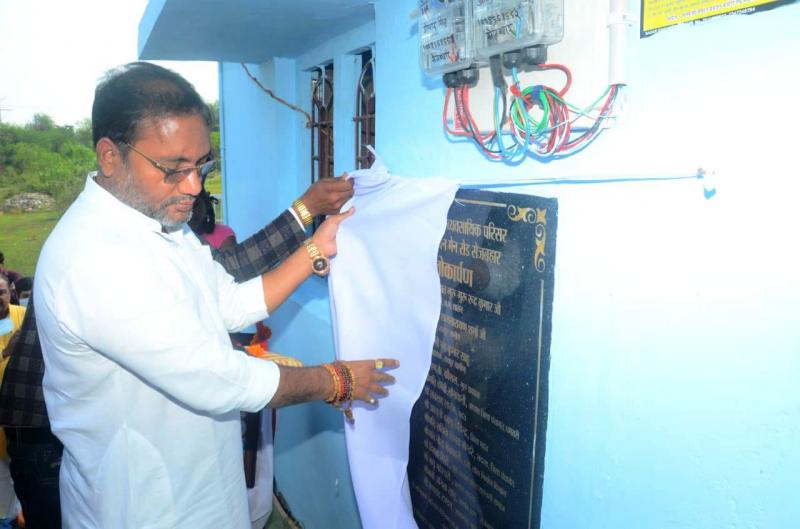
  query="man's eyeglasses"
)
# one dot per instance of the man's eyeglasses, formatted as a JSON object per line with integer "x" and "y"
{"x": 176, "y": 175}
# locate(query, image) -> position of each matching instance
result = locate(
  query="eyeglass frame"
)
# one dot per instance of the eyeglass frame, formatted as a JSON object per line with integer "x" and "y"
{"x": 170, "y": 173}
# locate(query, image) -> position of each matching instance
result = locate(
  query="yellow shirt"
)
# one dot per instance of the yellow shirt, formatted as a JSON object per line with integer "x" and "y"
{"x": 16, "y": 313}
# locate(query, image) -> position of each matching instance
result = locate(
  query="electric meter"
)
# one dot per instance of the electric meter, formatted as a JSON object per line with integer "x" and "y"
{"x": 445, "y": 41}
{"x": 500, "y": 26}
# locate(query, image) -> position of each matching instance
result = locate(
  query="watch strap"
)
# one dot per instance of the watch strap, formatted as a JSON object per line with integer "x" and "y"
{"x": 320, "y": 264}
{"x": 300, "y": 208}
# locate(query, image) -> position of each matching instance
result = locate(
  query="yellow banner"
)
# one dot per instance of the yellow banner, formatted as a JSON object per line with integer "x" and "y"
{"x": 658, "y": 14}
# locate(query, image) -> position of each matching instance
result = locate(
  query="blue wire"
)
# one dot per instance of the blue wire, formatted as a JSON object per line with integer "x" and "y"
{"x": 521, "y": 103}
{"x": 708, "y": 192}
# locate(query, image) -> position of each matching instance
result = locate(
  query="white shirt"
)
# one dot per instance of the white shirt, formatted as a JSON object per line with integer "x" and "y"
{"x": 141, "y": 383}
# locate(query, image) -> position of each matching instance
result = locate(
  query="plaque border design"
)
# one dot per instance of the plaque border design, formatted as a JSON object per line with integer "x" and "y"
{"x": 517, "y": 214}
{"x": 540, "y": 232}
{"x": 536, "y": 405}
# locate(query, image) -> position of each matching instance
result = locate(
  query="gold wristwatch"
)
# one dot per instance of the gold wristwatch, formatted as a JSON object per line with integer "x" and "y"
{"x": 320, "y": 264}
{"x": 300, "y": 208}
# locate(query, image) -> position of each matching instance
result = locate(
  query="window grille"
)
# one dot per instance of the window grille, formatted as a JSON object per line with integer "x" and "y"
{"x": 365, "y": 111}
{"x": 322, "y": 123}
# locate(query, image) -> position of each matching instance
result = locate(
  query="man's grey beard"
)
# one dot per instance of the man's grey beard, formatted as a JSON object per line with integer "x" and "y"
{"x": 127, "y": 193}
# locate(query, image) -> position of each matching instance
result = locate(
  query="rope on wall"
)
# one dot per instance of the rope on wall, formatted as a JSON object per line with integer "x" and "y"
{"x": 276, "y": 98}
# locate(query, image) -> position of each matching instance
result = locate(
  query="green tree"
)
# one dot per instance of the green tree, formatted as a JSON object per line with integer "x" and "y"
{"x": 214, "y": 107}
{"x": 42, "y": 122}
{"x": 44, "y": 157}
{"x": 83, "y": 133}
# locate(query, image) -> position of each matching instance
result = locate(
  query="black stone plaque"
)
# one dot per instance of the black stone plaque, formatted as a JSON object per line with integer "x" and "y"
{"x": 478, "y": 430}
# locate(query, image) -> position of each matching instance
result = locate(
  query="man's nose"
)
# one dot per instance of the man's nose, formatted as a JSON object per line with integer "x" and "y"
{"x": 192, "y": 184}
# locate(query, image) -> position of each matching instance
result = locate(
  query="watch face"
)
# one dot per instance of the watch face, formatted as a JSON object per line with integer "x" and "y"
{"x": 320, "y": 266}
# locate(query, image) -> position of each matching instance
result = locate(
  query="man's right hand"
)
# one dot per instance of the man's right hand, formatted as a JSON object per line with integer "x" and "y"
{"x": 370, "y": 379}
{"x": 305, "y": 384}
{"x": 327, "y": 195}
{"x": 325, "y": 236}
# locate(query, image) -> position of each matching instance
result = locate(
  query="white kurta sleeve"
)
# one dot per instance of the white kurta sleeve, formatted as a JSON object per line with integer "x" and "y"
{"x": 240, "y": 303}
{"x": 152, "y": 322}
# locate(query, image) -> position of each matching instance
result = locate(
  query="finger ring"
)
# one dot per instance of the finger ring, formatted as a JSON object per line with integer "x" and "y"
{"x": 378, "y": 364}
{"x": 372, "y": 400}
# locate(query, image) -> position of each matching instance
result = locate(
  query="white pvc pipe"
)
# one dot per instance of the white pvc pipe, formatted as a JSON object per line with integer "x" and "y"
{"x": 618, "y": 21}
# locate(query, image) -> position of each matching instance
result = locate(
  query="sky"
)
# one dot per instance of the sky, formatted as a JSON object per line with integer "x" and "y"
{"x": 52, "y": 53}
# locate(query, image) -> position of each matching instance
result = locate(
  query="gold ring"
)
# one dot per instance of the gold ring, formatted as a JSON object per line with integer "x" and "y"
{"x": 378, "y": 364}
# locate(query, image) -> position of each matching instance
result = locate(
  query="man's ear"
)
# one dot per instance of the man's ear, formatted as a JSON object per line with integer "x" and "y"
{"x": 108, "y": 157}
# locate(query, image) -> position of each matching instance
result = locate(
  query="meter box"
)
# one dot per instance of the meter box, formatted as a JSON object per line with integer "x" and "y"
{"x": 445, "y": 39}
{"x": 500, "y": 26}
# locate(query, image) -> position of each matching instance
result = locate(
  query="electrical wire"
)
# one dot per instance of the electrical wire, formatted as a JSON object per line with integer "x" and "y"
{"x": 538, "y": 122}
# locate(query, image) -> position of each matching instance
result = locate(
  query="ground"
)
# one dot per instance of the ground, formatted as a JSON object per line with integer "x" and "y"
{"x": 22, "y": 236}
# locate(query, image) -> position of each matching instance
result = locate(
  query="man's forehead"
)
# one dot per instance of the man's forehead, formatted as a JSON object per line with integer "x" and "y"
{"x": 176, "y": 136}
{"x": 170, "y": 126}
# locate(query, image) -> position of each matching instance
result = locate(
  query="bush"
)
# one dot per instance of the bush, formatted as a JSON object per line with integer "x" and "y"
{"x": 43, "y": 158}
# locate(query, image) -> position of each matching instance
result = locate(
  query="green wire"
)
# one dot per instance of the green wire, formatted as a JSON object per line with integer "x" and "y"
{"x": 541, "y": 126}
{"x": 520, "y": 113}
{"x": 585, "y": 111}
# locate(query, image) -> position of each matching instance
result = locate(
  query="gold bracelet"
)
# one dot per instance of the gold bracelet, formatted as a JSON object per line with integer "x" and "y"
{"x": 335, "y": 397}
{"x": 300, "y": 208}
{"x": 343, "y": 388}
{"x": 348, "y": 411}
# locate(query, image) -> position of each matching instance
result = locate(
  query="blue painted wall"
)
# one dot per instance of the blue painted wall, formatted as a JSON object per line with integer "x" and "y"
{"x": 676, "y": 331}
{"x": 267, "y": 165}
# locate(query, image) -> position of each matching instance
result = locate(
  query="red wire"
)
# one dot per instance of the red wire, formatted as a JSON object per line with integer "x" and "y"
{"x": 462, "y": 118}
{"x": 566, "y": 72}
{"x": 458, "y": 120}
{"x": 483, "y": 137}
{"x": 474, "y": 126}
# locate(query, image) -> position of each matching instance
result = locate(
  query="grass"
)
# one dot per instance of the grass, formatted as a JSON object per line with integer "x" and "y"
{"x": 214, "y": 186}
{"x": 214, "y": 183}
{"x": 22, "y": 236}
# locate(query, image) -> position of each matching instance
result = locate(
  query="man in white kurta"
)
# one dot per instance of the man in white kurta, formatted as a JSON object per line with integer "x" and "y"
{"x": 142, "y": 385}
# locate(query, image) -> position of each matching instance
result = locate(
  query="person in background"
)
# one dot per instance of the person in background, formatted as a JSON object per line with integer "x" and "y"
{"x": 204, "y": 223}
{"x": 24, "y": 289}
{"x": 11, "y": 317}
{"x": 12, "y": 276}
{"x": 141, "y": 383}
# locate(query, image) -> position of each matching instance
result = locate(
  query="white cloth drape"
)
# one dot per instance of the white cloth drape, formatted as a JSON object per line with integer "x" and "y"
{"x": 385, "y": 303}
